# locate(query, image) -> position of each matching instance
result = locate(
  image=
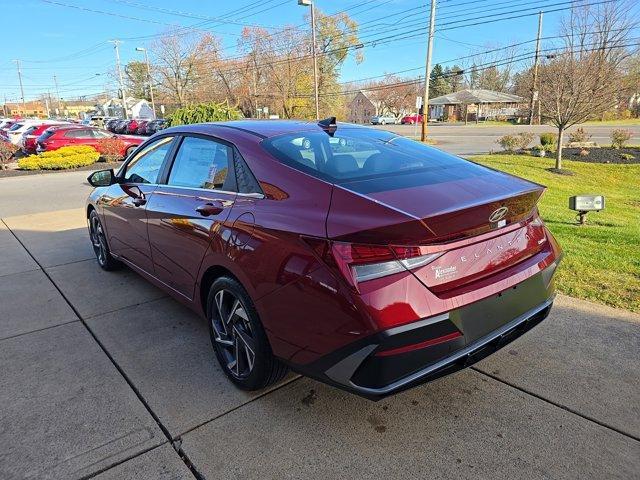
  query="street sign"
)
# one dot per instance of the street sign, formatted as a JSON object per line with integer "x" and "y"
{"x": 162, "y": 109}
{"x": 535, "y": 96}
{"x": 418, "y": 102}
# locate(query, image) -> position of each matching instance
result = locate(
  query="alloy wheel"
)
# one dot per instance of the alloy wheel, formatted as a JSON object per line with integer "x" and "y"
{"x": 98, "y": 240}
{"x": 233, "y": 333}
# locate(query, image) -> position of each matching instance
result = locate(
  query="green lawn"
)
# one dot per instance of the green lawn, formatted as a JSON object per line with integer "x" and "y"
{"x": 602, "y": 259}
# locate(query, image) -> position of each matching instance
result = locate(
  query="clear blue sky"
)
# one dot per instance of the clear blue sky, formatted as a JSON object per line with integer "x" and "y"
{"x": 50, "y": 37}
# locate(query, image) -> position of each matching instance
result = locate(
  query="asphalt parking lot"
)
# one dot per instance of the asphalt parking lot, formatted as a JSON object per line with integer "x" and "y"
{"x": 103, "y": 376}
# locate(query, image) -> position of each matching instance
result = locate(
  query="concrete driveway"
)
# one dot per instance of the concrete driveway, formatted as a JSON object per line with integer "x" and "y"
{"x": 103, "y": 376}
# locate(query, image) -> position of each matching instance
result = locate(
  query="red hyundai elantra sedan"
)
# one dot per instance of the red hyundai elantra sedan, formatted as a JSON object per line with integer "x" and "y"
{"x": 355, "y": 256}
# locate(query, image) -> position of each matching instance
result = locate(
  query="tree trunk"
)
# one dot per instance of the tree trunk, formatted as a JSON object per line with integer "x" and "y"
{"x": 559, "y": 148}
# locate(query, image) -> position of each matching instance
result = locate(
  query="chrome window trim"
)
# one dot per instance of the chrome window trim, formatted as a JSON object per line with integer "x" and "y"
{"x": 256, "y": 195}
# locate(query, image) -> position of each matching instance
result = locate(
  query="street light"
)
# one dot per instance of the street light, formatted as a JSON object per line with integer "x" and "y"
{"x": 146, "y": 59}
{"x": 309, "y": 3}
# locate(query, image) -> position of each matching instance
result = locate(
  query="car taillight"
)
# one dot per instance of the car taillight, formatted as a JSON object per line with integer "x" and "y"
{"x": 359, "y": 262}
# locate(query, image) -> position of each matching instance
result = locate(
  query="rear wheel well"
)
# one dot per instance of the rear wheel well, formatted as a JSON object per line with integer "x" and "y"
{"x": 208, "y": 278}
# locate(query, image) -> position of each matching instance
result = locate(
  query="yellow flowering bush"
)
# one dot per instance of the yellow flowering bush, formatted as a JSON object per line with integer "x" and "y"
{"x": 61, "y": 159}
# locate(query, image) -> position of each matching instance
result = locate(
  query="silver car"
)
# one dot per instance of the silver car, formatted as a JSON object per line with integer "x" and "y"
{"x": 383, "y": 120}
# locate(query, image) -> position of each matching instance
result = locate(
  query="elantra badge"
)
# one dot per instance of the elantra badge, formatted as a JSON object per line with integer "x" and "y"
{"x": 498, "y": 214}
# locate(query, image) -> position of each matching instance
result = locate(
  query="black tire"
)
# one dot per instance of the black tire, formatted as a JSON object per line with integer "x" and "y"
{"x": 236, "y": 332}
{"x": 100, "y": 245}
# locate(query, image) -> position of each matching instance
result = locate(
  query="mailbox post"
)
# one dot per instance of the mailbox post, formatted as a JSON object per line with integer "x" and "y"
{"x": 584, "y": 204}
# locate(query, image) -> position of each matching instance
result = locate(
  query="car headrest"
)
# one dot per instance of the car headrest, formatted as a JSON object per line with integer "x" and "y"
{"x": 341, "y": 164}
{"x": 377, "y": 163}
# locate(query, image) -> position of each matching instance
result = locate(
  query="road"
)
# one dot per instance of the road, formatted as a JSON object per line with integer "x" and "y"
{"x": 103, "y": 376}
{"x": 470, "y": 139}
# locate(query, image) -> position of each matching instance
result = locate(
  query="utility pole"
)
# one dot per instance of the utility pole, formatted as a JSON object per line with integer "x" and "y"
{"x": 116, "y": 43}
{"x": 310, "y": 3}
{"x": 146, "y": 59}
{"x": 55, "y": 82}
{"x": 427, "y": 72}
{"x": 24, "y": 109}
{"x": 534, "y": 87}
{"x": 46, "y": 104}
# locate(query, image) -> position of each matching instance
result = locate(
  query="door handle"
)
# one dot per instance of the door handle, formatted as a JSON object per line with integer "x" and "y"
{"x": 139, "y": 201}
{"x": 209, "y": 208}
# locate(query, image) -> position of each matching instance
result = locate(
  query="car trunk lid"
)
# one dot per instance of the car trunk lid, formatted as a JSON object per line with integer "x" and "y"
{"x": 479, "y": 223}
{"x": 430, "y": 207}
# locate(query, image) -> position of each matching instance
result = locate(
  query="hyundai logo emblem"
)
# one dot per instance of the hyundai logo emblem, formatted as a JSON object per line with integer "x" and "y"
{"x": 498, "y": 214}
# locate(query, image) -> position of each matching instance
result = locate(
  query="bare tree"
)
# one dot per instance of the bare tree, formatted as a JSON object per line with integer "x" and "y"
{"x": 581, "y": 81}
{"x": 393, "y": 95}
{"x": 177, "y": 60}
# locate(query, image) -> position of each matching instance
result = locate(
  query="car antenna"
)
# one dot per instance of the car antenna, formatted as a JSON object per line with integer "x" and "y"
{"x": 329, "y": 125}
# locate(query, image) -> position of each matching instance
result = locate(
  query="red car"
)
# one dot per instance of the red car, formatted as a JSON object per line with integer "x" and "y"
{"x": 141, "y": 129}
{"x": 54, "y": 138}
{"x": 30, "y": 136}
{"x": 355, "y": 256}
{"x": 411, "y": 119}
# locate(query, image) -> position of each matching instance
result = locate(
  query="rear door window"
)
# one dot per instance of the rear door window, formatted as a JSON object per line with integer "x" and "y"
{"x": 202, "y": 163}
{"x": 79, "y": 133}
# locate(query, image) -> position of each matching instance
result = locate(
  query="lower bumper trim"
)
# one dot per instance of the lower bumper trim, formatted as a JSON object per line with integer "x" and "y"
{"x": 466, "y": 356}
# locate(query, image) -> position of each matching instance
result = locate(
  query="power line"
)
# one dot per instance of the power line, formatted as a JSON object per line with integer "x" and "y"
{"x": 527, "y": 56}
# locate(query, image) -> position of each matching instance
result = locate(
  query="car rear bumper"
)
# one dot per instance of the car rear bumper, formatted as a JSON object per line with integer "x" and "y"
{"x": 402, "y": 357}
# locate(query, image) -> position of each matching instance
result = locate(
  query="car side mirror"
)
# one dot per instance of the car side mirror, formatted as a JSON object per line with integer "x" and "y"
{"x": 102, "y": 178}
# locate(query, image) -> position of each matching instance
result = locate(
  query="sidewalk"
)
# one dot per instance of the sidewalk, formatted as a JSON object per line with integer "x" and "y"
{"x": 103, "y": 376}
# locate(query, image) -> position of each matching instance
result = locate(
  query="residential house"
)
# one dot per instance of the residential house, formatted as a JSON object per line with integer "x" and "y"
{"x": 361, "y": 108}
{"x": 136, "y": 108}
{"x": 475, "y": 104}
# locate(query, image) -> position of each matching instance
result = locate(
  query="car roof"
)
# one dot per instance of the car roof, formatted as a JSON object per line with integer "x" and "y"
{"x": 261, "y": 128}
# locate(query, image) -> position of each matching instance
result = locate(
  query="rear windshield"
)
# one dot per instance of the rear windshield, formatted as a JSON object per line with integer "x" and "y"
{"x": 15, "y": 127}
{"x": 354, "y": 154}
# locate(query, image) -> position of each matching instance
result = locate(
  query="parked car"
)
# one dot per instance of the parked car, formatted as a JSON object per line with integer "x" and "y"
{"x": 132, "y": 126}
{"x": 15, "y": 132}
{"x": 383, "y": 120}
{"x": 411, "y": 119}
{"x": 373, "y": 270}
{"x": 28, "y": 144}
{"x": 111, "y": 123}
{"x": 56, "y": 137}
{"x": 156, "y": 125}
{"x": 142, "y": 127}
{"x": 6, "y": 125}
{"x": 120, "y": 126}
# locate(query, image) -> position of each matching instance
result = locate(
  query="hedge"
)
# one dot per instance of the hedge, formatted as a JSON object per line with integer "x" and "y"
{"x": 61, "y": 159}
{"x": 204, "y": 112}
